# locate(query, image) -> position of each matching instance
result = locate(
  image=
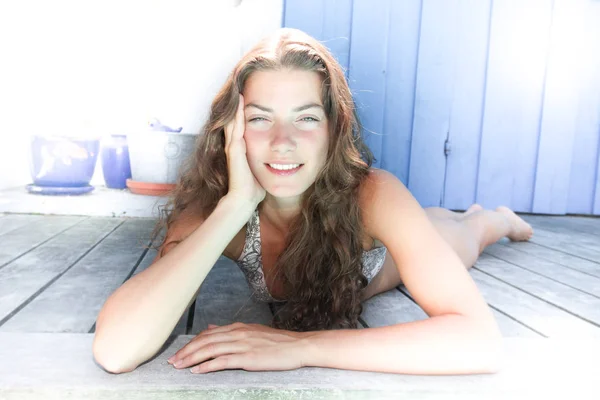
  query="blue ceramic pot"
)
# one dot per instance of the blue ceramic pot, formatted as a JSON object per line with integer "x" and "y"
{"x": 62, "y": 161}
{"x": 115, "y": 162}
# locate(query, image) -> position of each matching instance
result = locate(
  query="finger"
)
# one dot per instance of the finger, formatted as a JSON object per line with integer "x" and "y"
{"x": 224, "y": 329}
{"x": 232, "y": 361}
{"x": 213, "y": 350}
{"x": 238, "y": 132}
{"x": 210, "y": 326}
{"x": 206, "y": 339}
{"x": 230, "y": 126}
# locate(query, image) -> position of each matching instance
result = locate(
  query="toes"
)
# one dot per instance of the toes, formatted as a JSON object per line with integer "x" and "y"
{"x": 474, "y": 208}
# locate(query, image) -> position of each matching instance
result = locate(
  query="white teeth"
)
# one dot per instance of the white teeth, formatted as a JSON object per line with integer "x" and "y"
{"x": 284, "y": 167}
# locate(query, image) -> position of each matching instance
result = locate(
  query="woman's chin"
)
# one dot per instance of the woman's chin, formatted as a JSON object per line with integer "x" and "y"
{"x": 281, "y": 191}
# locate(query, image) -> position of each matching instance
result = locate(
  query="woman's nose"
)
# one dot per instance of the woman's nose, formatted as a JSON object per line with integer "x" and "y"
{"x": 282, "y": 140}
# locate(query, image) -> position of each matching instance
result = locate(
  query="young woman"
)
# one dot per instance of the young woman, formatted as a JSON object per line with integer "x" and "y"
{"x": 282, "y": 184}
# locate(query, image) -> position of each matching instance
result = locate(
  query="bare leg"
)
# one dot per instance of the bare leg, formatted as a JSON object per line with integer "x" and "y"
{"x": 439, "y": 212}
{"x": 471, "y": 232}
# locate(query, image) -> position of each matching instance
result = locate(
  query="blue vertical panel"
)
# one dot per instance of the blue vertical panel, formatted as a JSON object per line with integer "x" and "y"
{"x": 519, "y": 40}
{"x": 594, "y": 17}
{"x": 583, "y": 180}
{"x": 368, "y": 63}
{"x": 433, "y": 99}
{"x": 596, "y": 208}
{"x": 467, "y": 103}
{"x": 337, "y": 29}
{"x": 329, "y": 21}
{"x": 306, "y": 15}
{"x": 403, "y": 45}
{"x": 559, "y": 113}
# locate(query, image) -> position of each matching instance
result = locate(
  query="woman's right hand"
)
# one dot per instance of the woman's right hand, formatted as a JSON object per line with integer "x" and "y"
{"x": 243, "y": 185}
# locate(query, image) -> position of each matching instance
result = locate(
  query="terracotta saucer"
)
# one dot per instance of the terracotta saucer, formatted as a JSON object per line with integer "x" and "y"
{"x": 149, "y": 188}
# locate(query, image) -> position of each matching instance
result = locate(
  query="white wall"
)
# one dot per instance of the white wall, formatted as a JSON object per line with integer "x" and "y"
{"x": 108, "y": 66}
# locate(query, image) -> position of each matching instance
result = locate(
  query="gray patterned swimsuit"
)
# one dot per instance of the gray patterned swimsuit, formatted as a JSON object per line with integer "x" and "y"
{"x": 250, "y": 262}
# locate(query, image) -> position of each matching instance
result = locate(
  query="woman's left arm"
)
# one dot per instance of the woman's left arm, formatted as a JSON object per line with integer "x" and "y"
{"x": 460, "y": 337}
{"x": 441, "y": 345}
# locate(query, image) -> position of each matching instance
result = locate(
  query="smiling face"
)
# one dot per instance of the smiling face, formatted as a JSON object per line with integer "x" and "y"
{"x": 285, "y": 125}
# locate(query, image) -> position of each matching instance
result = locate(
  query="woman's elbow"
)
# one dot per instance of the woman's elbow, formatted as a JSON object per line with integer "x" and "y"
{"x": 106, "y": 357}
{"x": 494, "y": 354}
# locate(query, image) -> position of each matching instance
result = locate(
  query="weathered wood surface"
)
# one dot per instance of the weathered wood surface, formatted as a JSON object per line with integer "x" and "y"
{"x": 225, "y": 298}
{"x": 24, "y": 279}
{"x": 552, "y": 270}
{"x": 28, "y": 236}
{"x": 534, "y": 289}
{"x": 73, "y": 301}
{"x": 12, "y": 222}
{"x": 57, "y": 272}
{"x": 60, "y": 366}
{"x": 574, "y": 301}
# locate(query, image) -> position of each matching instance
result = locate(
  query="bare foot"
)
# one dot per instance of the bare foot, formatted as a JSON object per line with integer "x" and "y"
{"x": 474, "y": 208}
{"x": 520, "y": 230}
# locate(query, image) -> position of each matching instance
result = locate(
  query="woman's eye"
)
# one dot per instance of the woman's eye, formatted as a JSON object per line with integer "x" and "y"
{"x": 309, "y": 119}
{"x": 256, "y": 119}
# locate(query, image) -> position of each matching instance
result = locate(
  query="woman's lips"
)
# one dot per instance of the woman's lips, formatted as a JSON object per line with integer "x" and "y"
{"x": 286, "y": 172}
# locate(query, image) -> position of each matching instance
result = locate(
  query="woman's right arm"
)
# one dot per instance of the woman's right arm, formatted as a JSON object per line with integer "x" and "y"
{"x": 139, "y": 316}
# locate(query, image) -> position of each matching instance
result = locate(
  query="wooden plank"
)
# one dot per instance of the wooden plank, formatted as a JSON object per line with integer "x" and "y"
{"x": 28, "y": 237}
{"x": 370, "y": 35}
{"x": 532, "y": 312}
{"x": 579, "y": 303}
{"x": 397, "y": 306}
{"x": 533, "y": 369}
{"x": 584, "y": 195}
{"x": 433, "y": 101}
{"x": 559, "y": 257}
{"x": 583, "y": 247}
{"x": 560, "y": 106}
{"x": 23, "y": 278}
{"x": 572, "y": 224}
{"x": 511, "y": 328}
{"x": 400, "y": 78}
{"x": 587, "y": 230}
{"x": 336, "y": 30}
{"x": 549, "y": 269}
{"x": 519, "y": 40}
{"x": 15, "y": 221}
{"x": 225, "y": 298}
{"x": 466, "y": 109}
{"x": 391, "y": 307}
{"x": 552, "y": 231}
{"x": 72, "y": 303}
{"x": 305, "y": 15}
{"x": 327, "y": 21}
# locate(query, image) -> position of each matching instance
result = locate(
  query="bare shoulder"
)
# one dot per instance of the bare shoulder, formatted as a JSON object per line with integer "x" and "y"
{"x": 379, "y": 190}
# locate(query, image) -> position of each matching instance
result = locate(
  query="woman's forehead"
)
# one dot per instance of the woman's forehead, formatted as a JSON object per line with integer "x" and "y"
{"x": 283, "y": 89}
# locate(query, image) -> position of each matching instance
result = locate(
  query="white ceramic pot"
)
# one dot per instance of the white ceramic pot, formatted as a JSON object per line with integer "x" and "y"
{"x": 157, "y": 157}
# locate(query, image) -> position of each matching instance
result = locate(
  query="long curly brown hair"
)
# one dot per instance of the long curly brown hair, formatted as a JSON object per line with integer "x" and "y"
{"x": 321, "y": 265}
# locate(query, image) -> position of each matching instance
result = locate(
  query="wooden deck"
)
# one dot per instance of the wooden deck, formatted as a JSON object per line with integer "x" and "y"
{"x": 57, "y": 271}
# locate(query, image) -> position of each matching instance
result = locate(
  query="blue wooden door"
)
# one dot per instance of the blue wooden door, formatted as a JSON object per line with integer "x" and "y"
{"x": 495, "y": 102}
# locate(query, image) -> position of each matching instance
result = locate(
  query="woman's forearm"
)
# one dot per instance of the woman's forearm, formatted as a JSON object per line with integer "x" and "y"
{"x": 448, "y": 344}
{"x": 138, "y": 317}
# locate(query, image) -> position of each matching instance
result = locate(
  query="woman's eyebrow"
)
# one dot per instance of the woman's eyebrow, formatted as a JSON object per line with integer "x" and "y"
{"x": 297, "y": 109}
